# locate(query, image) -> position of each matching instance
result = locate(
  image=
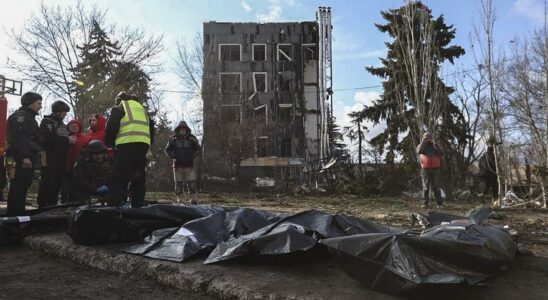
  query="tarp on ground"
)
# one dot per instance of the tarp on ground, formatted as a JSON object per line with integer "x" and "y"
{"x": 452, "y": 250}
{"x": 241, "y": 232}
{"x": 296, "y": 233}
{"x": 456, "y": 251}
{"x": 202, "y": 234}
{"x": 109, "y": 225}
{"x": 15, "y": 228}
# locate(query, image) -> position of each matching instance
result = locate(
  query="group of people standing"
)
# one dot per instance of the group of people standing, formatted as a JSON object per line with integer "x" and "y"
{"x": 107, "y": 162}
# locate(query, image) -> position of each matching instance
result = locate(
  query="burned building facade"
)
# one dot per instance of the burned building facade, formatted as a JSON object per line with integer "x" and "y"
{"x": 265, "y": 92}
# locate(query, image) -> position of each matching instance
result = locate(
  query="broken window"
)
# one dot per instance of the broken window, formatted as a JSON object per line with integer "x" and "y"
{"x": 230, "y": 115}
{"x": 259, "y": 52}
{"x": 284, "y": 52}
{"x": 286, "y": 148}
{"x": 284, "y": 84}
{"x": 261, "y": 114}
{"x": 261, "y": 146}
{"x": 285, "y": 113}
{"x": 259, "y": 82}
{"x": 230, "y": 83}
{"x": 310, "y": 52}
{"x": 230, "y": 52}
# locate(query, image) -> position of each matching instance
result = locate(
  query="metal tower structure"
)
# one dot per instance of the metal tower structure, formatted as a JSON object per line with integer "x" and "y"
{"x": 325, "y": 76}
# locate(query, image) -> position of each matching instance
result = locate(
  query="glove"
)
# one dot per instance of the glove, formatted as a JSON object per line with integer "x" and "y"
{"x": 149, "y": 155}
{"x": 103, "y": 189}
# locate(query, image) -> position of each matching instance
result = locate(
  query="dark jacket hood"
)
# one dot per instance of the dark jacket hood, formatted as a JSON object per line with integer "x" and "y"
{"x": 182, "y": 124}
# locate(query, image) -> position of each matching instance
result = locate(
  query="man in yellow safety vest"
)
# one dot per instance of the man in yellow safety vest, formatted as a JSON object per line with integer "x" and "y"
{"x": 130, "y": 132}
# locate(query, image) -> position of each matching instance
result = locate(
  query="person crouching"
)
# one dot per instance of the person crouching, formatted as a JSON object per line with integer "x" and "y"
{"x": 183, "y": 147}
{"x": 92, "y": 173}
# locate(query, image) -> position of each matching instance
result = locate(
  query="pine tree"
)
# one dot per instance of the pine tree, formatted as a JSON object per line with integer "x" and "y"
{"x": 415, "y": 99}
{"x": 96, "y": 71}
{"x": 338, "y": 147}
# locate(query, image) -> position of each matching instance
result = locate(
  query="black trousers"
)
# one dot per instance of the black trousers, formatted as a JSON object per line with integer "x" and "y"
{"x": 19, "y": 186}
{"x": 431, "y": 181}
{"x": 51, "y": 179}
{"x": 491, "y": 183}
{"x": 129, "y": 168}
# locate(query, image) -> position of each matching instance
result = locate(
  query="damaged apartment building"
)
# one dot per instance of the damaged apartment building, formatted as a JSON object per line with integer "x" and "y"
{"x": 266, "y": 94}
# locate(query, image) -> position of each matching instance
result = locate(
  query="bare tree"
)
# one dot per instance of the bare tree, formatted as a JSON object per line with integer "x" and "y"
{"x": 470, "y": 96}
{"x": 484, "y": 36}
{"x": 524, "y": 90}
{"x": 189, "y": 67}
{"x": 419, "y": 50}
{"x": 50, "y": 47}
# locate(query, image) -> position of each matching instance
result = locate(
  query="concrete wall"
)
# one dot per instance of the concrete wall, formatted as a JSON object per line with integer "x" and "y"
{"x": 281, "y": 122}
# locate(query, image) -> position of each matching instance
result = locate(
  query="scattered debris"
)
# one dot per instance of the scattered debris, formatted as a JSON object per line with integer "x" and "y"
{"x": 265, "y": 182}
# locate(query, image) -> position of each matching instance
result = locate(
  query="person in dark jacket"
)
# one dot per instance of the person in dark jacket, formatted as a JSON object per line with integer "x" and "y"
{"x": 73, "y": 154}
{"x": 430, "y": 159}
{"x": 23, "y": 139}
{"x": 183, "y": 147}
{"x": 55, "y": 142}
{"x": 130, "y": 131}
{"x": 92, "y": 172}
{"x": 488, "y": 172}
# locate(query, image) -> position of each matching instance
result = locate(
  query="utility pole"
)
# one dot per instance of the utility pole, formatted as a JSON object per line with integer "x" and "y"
{"x": 360, "y": 144}
{"x": 545, "y": 62}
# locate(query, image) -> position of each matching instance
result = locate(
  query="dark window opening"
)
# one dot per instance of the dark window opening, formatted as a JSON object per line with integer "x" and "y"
{"x": 262, "y": 145}
{"x": 230, "y": 115}
{"x": 283, "y": 84}
{"x": 230, "y": 83}
{"x": 259, "y": 52}
{"x": 259, "y": 82}
{"x": 284, "y": 53}
{"x": 229, "y": 52}
{"x": 286, "y": 148}
{"x": 310, "y": 52}
{"x": 261, "y": 114}
{"x": 285, "y": 114}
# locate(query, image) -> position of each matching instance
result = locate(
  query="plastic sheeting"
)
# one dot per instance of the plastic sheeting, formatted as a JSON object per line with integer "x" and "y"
{"x": 296, "y": 233}
{"x": 178, "y": 244}
{"x": 451, "y": 250}
{"x": 455, "y": 251}
{"x": 243, "y": 232}
{"x": 109, "y": 225}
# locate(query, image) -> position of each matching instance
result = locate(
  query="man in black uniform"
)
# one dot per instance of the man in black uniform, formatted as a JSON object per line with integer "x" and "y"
{"x": 55, "y": 142}
{"x": 130, "y": 131}
{"x": 23, "y": 147}
{"x": 92, "y": 172}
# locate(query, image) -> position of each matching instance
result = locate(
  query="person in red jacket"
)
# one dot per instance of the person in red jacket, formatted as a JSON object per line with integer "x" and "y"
{"x": 430, "y": 158}
{"x": 74, "y": 128}
{"x": 97, "y": 124}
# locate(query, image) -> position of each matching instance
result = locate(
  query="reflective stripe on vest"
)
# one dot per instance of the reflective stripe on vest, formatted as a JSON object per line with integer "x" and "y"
{"x": 134, "y": 126}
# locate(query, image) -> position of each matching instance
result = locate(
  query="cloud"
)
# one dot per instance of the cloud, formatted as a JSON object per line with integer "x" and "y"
{"x": 247, "y": 7}
{"x": 366, "y": 98}
{"x": 273, "y": 15}
{"x": 530, "y": 8}
{"x": 361, "y": 99}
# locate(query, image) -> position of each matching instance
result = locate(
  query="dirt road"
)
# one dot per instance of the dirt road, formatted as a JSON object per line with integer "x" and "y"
{"x": 26, "y": 274}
